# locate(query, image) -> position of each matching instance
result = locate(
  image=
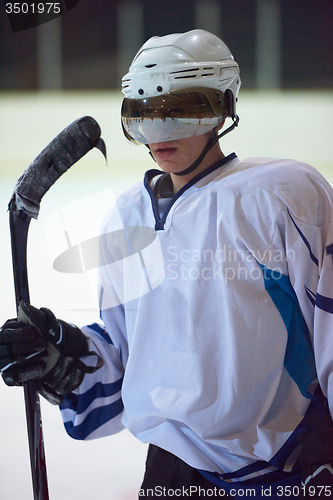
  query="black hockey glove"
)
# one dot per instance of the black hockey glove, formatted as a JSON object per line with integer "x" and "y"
{"x": 37, "y": 346}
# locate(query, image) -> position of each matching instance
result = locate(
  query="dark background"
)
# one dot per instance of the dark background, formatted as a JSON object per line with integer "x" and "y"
{"x": 90, "y": 42}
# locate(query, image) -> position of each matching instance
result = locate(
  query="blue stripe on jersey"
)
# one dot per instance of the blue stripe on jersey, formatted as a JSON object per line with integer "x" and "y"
{"x": 257, "y": 466}
{"x": 320, "y": 301}
{"x": 98, "y": 329}
{"x": 324, "y": 303}
{"x": 313, "y": 257}
{"x": 310, "y": 295}
{"x": 95, "y": 419}
{"x": 299, "y": 359}
{"x": 257, "y": 488}
{"x": 79, "y": 403}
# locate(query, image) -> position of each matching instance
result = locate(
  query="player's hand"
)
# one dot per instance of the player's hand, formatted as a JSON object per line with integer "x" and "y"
{"x": 39, "y": 347}
{"x": 23, "y": 352}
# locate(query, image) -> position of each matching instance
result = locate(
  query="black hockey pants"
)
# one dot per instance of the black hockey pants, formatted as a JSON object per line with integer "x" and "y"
{"x": 167, "y": 476}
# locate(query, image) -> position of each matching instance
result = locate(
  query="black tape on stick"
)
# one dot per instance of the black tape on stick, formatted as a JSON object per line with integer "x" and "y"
{"x": 60, "y": 154}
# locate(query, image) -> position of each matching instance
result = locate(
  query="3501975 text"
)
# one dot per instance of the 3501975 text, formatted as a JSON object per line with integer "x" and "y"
{"x": 298, "y": 491}
{"x": 33, "y": 8}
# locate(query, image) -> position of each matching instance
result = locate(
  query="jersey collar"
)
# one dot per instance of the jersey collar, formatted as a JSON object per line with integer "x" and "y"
{"x": 150, "y": 174}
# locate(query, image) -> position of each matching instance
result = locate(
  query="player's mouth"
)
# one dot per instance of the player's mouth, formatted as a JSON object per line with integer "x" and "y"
{"x": 163, "y": 153}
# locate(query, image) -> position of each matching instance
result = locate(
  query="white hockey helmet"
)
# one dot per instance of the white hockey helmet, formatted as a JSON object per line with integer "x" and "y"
{"x": 178, "y": 86}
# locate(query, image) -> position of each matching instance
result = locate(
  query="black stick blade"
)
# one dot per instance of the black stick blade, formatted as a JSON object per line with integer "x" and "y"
{"x": 61, "y": 153}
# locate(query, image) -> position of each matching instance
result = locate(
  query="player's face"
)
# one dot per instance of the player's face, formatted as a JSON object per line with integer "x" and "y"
{"x": 175, "y": 156}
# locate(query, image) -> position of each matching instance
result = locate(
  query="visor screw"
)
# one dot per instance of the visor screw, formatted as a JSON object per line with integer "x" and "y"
{"x": 159, "y": 88}
{"x": 140, "y": 91}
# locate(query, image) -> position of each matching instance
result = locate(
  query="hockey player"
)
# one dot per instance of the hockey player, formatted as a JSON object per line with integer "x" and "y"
{"x": 216, "y": 296}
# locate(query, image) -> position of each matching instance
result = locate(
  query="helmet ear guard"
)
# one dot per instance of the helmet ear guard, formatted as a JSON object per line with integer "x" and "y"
{"x": 230, "y": 103}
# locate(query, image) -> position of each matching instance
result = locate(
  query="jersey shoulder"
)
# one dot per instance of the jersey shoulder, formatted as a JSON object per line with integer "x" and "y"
{"x": 129, "y": 209}
{"x": 298, "y": 186}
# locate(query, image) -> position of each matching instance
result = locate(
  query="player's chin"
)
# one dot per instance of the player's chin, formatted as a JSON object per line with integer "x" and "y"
{"x": 169, "y": 167}
{"x": 163, "y": 163}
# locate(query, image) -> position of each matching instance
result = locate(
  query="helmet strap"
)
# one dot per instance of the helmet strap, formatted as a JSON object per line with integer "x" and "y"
{"x": 214, "y": 138}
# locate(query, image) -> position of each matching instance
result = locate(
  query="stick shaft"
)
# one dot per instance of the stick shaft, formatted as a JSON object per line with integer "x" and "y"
{"x": 19, "y": 226}
{"x": 36, "y": 442}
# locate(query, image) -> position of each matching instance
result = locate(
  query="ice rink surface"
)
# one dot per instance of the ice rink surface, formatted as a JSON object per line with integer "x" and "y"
{"x": 296, "y": 125}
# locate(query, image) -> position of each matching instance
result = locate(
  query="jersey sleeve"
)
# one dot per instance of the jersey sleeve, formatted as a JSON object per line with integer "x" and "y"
{"x": 323, "y": 317}
{"x": 290, "y": 228}
{"x": 95, "y": 408}
{"x": 308, "y": 265}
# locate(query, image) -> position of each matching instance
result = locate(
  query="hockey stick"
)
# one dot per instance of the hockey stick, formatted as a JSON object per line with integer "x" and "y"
{"x": 62, "y": 152}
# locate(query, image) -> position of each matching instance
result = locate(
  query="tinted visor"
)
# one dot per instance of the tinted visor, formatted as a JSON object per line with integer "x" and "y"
{"x": 171, "y": 116}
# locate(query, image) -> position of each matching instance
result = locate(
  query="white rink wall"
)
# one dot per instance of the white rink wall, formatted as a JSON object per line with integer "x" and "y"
{"x": 296, "y": 125}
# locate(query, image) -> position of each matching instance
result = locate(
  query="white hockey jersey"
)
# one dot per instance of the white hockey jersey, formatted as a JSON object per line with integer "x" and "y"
{"x": 217, "y": 318}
